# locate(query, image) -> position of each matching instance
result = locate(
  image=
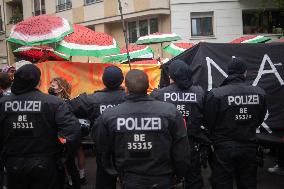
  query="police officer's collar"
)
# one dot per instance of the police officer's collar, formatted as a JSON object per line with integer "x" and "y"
{"x": 138, "y": 97}
{"x": 108, "y": 90}
{"x": 175, "y": 86}
{"x": 235, "y": 78}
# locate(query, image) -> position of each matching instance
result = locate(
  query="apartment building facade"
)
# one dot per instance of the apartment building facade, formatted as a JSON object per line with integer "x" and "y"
{"x": 142, "y": 17}
{"x": 224, "y": 20}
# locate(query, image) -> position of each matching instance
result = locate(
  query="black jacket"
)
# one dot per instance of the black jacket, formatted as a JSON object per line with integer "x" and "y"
{"x": 91, "y": 106}
{"x": 189, "y": 102}
{"x": 143, "y": 136}
{"x": 234, "y": 111}
{"x": 31, "y": 123}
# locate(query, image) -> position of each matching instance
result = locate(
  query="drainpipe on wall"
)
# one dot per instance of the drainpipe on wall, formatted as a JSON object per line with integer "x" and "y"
{"x": 5, "y": 28}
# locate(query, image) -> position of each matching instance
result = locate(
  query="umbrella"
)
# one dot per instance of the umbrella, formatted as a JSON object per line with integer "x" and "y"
{"x": 135, "y": 51}
{"x": 177, "y": 48}
{"x": 251, "y": 39}
{"x": 281, "y": 40}
{"x": 40, "y": 30}
{"x": 148, "y": 61}
{"x": 86, "y": 42}
{"x": 37, "y": 53}
{"x": 157, "y": 38}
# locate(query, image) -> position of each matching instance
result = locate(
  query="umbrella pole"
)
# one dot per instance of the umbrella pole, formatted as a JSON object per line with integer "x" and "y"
{"x": 161, "y": 50}
{"x": 124, "y": 32}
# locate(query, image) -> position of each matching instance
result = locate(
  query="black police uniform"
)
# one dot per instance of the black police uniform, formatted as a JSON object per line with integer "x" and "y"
{"x": 144, "y": 141}
{"x": 91, "y": 107}
{"x": 232, "y": 114}
{"x": 30, "y": 125}
{"x": 190, "y": 103}
{"x": 1, "y": 163}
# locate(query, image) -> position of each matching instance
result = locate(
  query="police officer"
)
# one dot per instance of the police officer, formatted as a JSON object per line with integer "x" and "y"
{"x": 92, "y": 106}
{"x": 233, "y": 111}
{"x": 143, "y": 140}
{"x": 30, "y": 125}
{"x": 189, "y": 101}
{"x": 5, "y": 83}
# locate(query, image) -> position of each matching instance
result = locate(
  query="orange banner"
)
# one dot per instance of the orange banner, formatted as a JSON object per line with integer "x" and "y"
{"x": 87, "y": 77}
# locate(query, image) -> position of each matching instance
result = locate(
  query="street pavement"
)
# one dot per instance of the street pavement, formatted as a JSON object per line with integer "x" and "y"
{"x": 265, "y": 179}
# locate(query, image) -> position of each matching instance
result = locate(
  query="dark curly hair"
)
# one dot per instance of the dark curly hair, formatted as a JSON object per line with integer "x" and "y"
{"x": 65, "y": 86}
{"x": 5, "y": 81}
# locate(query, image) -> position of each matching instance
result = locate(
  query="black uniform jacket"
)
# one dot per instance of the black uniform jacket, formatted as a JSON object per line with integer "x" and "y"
{"x": 91, "y": 106}
{"x": 189, "y": 102}
{"x": 143, "y": 136}
{"x": 234, "y": 111}
{"x": 31, "y": 123}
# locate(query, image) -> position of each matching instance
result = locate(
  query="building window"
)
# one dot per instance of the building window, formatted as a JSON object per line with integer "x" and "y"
{"x": 201, "y": 24}
{"x": 63, "y": 5}
{"x": 268, "y": 21}
{"x": 39, "y": 7}
{"x": 88, "y": 2}
{"x": 141, "y": 27}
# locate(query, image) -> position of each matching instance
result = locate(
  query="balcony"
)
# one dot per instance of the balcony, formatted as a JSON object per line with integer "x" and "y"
{"x": 63, "y": 7}
{"x": 39, "y": 12}
{"x": 89, "y": 2}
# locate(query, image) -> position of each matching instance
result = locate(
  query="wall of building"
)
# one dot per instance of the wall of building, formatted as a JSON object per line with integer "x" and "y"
{"x": 103, "y": 15}
{"x": 7, "y": 7}
{"x": 3, "y": 51}
{"x": 50, "y": 7}
{"x": 94, "y": 11}
{"x": 227, "y": 19}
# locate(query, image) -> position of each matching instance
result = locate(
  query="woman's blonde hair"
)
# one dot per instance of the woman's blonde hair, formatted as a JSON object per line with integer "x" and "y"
{"x": 65, "y": 86}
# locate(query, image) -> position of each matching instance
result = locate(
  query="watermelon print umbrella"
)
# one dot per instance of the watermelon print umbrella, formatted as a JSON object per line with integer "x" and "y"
{"x": 251, "y": 39}
{"x": 148, "y": 61}
{"x": 281, "y": 40}
{"x": 37, "y": 53}
{"x": 86, "y": 42}
{"x": 157, "y": 38}
{"x": 135, "y": 51}
{"x": 40, "y": 30}
{"x": 177, "y": 48}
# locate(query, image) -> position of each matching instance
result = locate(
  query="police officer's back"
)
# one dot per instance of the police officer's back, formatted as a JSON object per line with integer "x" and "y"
{"x": 30, "y": 125}
{"x": 146, "y": 138}
{"x": 233, "y": 111}
{"x": 188, "y": 99}
{"x": 92, "y": 106}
